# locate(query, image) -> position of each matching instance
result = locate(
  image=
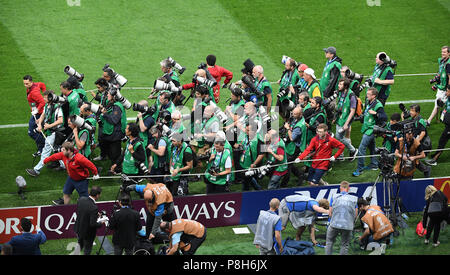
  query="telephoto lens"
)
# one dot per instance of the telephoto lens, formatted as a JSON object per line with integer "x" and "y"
{"x": 80, "y": 122}
{"x": 72, "y": 72}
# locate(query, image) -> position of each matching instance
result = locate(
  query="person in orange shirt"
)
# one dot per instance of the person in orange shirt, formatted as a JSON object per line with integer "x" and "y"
{"x": 184, "y": 235}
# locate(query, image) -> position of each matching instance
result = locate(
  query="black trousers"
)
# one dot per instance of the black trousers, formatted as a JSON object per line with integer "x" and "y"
{"x": 445, "y": 136}
{"x": 193, "y": 241}
{"x": 434, "y": 224}
{"x": 110, "y": 149}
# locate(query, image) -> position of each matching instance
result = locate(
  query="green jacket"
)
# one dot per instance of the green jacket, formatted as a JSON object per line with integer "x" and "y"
{"x": 220, "y": 163}
{"x": 369, "y": 119}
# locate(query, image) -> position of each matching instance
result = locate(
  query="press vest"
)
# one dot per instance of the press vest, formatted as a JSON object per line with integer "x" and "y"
{"x": 378, "y": 223}
{"x": 220, "y": 162}
{"x": 129, "y": 166}
{"x": 290, "y": 147}
{"x": 188, "y": 227}
{"x": 160, "y": 195}
{"x": 343, "y": 105}
{"x": 176, "y": 160}
{"x": 325, "y": 79}
{"x": 108, "y": 128}
{"x": 369, "y": 119}
{"x": 283, "y": 167}
{"x": 343, "y": 214}
{"x": 265, "y": 229}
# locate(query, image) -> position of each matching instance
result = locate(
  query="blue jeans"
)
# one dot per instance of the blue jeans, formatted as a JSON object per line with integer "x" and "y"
{"x": 35, "y": 135}
{"x": 367, "y": 142}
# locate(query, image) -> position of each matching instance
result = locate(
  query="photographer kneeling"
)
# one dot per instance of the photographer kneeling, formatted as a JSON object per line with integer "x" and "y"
{"x": 219, "y": 168}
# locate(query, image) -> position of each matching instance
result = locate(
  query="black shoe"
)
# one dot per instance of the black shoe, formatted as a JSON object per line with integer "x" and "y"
{"x": 59, "y": 201}
{"x": 32, "y": 172}
{"x": 37, "y": 154}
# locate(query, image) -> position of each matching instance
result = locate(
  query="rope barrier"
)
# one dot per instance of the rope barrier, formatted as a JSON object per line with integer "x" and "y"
{"x": 275, "y": 165}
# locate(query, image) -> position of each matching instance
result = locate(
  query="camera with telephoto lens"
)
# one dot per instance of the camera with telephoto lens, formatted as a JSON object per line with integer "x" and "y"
{"x": 288, "y": 105}
{"x": 81, "y": 123}
{"x": 436, "y": 79}
{"x": 114, "y": 91}
{"x": 260, "y": 171}
{"x": 56, "y": 99}
{"x": 120, "y": 79}
{"x": 387, "y": 60}
{"x": 218, "y": 112}
{"x": 143, "y": 168}
{"x": 161, "y": 85}
{"x": 72, "y": 72}
{"x": 96, "y": 109}
{"x": 283, "y": 92}
{"x": 177, "y": 66}
{"x": 354, "y": 76}
{"x": 208, "y": 82}
{"x": 405, "y": 111}
{"x": 144, "y": 109}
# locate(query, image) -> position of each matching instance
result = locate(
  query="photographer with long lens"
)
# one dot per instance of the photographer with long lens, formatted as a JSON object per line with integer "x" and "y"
{"x": 445, "y": 136}
{"x": 209, "y": 127}
{"x": 295, "y": 143}
{"x": 263, "y": 86}
{"x": 251, "y": 156}
{"x": 373, "y": 111}
{"x": 383, "y": 76}
{"x": 159, "y": 150}
{"x": 165, "y": 104}
{"x": 276, "y": 155}
{"x": 37, "y": 103}
{"x": 145, "y": 121}
{"x": 408, "y": 152}
{"x": 331, "y": 72}
{"x": 234, "y": 111}
{"x": 112, "y": 125}
{"x": 133, "y": 161}
{"x": 159, "y": 206}
{"x": 314, "y": 116}
{"x": 440, "y": 81}
{"x": 218, "y": 172}
{"x": 125, "y": 222}
{"x": 181, "y": 162}
{"x": 84, "y": 134}
{"x": 77, "y": 87}
{"x": 73, "y": 99}
{"x": 48, "y": 124}
{"x": 102, "y": 91}
{"x": 345, "y": 111}
{"x": 218, "y": 72}
{"x": 200, "y": 74}
{"x": 289, "y": 78}
{"x": 312, "y": 86}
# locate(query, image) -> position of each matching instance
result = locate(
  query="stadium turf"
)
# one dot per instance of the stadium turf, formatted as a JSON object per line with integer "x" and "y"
{"x": 41, "y": 37}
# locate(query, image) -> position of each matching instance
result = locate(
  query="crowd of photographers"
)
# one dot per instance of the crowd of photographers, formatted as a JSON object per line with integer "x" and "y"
{"x": 173, "y": 144}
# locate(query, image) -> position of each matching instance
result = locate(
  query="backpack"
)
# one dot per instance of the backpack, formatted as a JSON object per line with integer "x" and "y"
{"x": 359, "y": 107}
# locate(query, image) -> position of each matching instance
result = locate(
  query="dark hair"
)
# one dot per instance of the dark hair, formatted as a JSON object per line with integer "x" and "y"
{"x": 346, "y": 82}
{"x": 25, "y": 224}
{"x": 66, "y": 85}
{"x": 125, "y": 199}
{"x": 7, "y": 249}
{"x": 28, "y": 77}
{"x": 73, "y": 81}
{"x": 102, "y": 82}
{"x": 211, "y": 60}
{"x": 416, "y": 107}
{"x": 396, "y": 117}
{"x": 95, "y": 190}
{"x": 47, "y": 92}
{"x": 134, "y": 129}
{"x": 362, "y": 202}
{"x": 318, "y": 100}
{"x": 110, "y": 72}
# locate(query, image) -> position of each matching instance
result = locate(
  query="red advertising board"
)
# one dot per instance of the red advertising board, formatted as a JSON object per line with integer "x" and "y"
{"x": 10, "y": 221}
{"x": 443, "y": 185}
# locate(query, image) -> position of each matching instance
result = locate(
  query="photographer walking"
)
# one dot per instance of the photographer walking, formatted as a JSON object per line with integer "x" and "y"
{"x": 48, "y": 124}
{"x": 263, "y": 86}
{"x": 383, "y": 76}
{"x": 331, "y": 72}
{"x": 37, "y": 103}
{"x": 125, "y": 222}
{"x": 445, "y": 136}
{"x": 87, "y": 221}
{"x": 373, "y": 110}
{"x": 441, "y": 79}
{"x": 83, "y": 138}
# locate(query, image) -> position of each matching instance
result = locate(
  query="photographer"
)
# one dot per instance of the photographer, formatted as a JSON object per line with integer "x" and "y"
{"x": 184, "y": 235}
{"x": 301, "y": 83}
{"x": 409, "y": 151}
{"x": 252, "y": 155}
{"x": 288, "y": 79}
{"x": 159, "y": 206}
{"x": 83, "y": 138}
{"x": 125, "y": 222}
{"x": 159, "y": 153}
{"x": 345, "y": 109}
{"x": 195, "y": 83}
{"x": 314, "y": 116}
{"x": 377, "y": 226}
{"x": 134, "y": 158}
{"x": 87, "y": 219}
{"x": 445, "y": 136}
{"x": 209, "y": 127}
{"x": 218, "y": 172}
{"x": 112, "y": 125}
{"x": 73, "y": 99}
{"x": 383, "y": 76}
{"x": 263, "y": 86}
{"x": 295, "y": 143}
{"x": 321, "y": 147}
{"x": 331, "y": 72}
{"x": 276, "y": 155}
{"x": 37, "y": 103}
{"x": 234, "y": 111}
{"x": 218, "y": 72}
{"x": 441, "y": 80}
{"x": 165, "y": 104}
{"x": 48, "y": 124}
{"x": 181, "y": 162}
{"x": 77, "y": 86}
{"x": 145, "y": 122}
{"x": 420, "y": 124}
{"x": 312, "y": 86}
{"x": 102, "y": 91}
{"x": 391, "y": 139}
{"x": 373, "y": 111}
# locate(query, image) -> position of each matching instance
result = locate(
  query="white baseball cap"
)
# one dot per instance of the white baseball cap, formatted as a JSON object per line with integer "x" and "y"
{"x": 310, "y": 72}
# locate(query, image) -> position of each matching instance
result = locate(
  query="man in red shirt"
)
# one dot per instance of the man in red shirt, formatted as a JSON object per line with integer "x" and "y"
{"x": 77, "y": 167}
{"x": 321, "y": 147}
{"x": 37, "y": 103}
{"x": 218, "y": 72}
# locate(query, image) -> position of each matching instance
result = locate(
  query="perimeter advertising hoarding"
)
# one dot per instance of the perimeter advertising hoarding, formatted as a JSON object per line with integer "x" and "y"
{"x": 212, "y": 210}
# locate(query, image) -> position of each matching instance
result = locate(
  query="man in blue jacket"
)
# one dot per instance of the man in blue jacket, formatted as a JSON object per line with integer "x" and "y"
{"x": 27, "y": 243}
